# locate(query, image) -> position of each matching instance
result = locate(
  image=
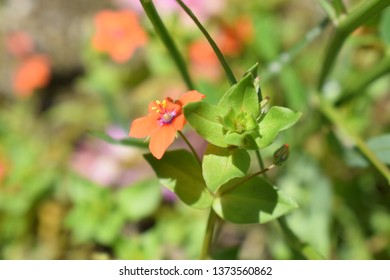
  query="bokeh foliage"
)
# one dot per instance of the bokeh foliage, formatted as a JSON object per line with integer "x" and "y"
{"x": 51, "y": 208}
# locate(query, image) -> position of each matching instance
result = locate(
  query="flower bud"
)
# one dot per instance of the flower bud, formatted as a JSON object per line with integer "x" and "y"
{"x": 281, "y": 155}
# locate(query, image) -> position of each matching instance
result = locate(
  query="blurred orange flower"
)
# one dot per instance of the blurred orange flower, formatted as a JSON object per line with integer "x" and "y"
{"x": 33, "y": 73}
{"x": 230, "y": 40}
{"x": 118, "y": 33}
{"x": 165, "y": 118}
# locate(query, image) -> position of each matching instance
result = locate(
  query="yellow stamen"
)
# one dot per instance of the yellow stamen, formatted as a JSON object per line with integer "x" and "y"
{"x": 154, "y": 108}
{"x": 164, "y": 103}
{"x": 158, "y": 102}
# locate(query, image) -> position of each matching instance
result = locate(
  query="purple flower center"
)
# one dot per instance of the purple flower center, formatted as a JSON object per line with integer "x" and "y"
{"x": 167, "y": 118}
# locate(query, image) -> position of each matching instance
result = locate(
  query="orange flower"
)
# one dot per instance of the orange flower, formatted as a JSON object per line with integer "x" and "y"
{"x": 33, "y": 73}
{"x": 118, "y": 33}
{"x": 162, "y": 122}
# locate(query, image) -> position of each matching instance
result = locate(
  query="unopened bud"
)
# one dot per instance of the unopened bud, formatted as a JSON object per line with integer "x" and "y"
{"x": 281, "y": 155}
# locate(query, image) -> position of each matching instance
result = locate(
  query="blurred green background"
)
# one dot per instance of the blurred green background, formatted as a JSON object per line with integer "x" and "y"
{"x": 65, "y": 193}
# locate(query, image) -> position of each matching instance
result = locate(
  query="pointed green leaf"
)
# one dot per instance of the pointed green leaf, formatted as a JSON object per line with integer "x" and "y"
{"x": 220, "y": 165}
{"x": 255, "y": 201}
{"x": 206, "y": 120}
{"x": 242, "y": 96}
{"x": 275, "y": 120}
{"x": 179, "y": 171}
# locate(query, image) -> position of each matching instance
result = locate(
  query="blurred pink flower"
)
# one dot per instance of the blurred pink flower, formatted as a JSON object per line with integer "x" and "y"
{"x": 3, "y": 170}
{"x": 19, "y": 44}
{"x": 104, "y": 163}
{"x": 203, "y": 9}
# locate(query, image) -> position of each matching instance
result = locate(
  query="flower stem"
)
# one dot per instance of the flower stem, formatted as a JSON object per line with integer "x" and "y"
{"x": 208, "y": 237}
{"x": 345, "y": 26}
{"x": 245, "y": 179}
{"x": 260, "y": 160}
{"x": 229, "y": 73}
{"x": 286, "y": 57}
{"x": 357, "y": 84}
{"x": 191, "y": 147}
{"x": 162, "y": 32}
{"x": 334, "y": 116}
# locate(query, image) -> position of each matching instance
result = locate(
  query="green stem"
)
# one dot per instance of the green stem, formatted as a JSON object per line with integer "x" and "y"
{"x": 162, "y": 32}
{"x": 289, "y": 55}
{"x": 245, "y": 179}
{"x": 346, "y": 25}
{"x": 260, "y": 160}
{"x": 357, "y": 84}
{"x": 229, "y": 73}
{"x": 208, "y": 237}
{"x": 191, "y": 147}
{"x": 339, "y": 7}
{"x": 334, "y": 116}
{"x": 303, "y": 248}
{"x": 329, "y": 9}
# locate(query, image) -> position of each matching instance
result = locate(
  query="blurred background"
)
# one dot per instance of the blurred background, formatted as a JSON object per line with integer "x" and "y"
{"x": 74, "y": 74}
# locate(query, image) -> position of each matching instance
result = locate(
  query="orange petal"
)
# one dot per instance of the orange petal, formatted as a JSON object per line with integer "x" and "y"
{"x": 190, "y": 96}
{"x": 144, "y": 126}
{"x": 161, "y": 140}
{"x": 171, "y": 106}
{"x": 179, "y": 122}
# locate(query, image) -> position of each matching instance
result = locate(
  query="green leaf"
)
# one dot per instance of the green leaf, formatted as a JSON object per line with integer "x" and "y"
{"x": 242, "y": 96}
{"x": 206, "y": 120}
{"x": 139, "y": 200}
{"x": 384, "y": 26}
{"x": 220, "y": 165}
{"x": 255, "y": 201}
{"x": 125, "y": 141}
{"x": 274, "y": 121}
{"x": 179, "y": 171}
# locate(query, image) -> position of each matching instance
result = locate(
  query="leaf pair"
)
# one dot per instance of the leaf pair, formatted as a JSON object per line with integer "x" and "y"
{"x": 255, "y": 201}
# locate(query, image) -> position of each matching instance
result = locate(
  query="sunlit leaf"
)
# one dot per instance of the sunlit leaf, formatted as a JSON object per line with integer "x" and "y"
{"x": 179, "y": 171}
{"x": 206, "y": 120}
{"x": 242, "y": 97}
{"x": 220, "y": 165}
{"x": 276, "y": 119}
{"x": 255, "y": 201}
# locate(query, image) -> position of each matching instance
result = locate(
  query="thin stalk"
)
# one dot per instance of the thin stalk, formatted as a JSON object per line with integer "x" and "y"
{"x": 303, "y": 248}
{"x": 191, "y": 147}
{"x": 339, "y": 7}
{"x": 334, "y": 116}
{"x": 260, "y": 160}
{"x": 229, "y": 73}
{"x": 346, "y": 25}
{"x": 209, "y": 234}
{"x": 285, "y": 58}
{"x": 359, "y": 83}
{"x": 162, "y": 32}
{"x": 246, "y": 179}
{"x": 329, "y": 9}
